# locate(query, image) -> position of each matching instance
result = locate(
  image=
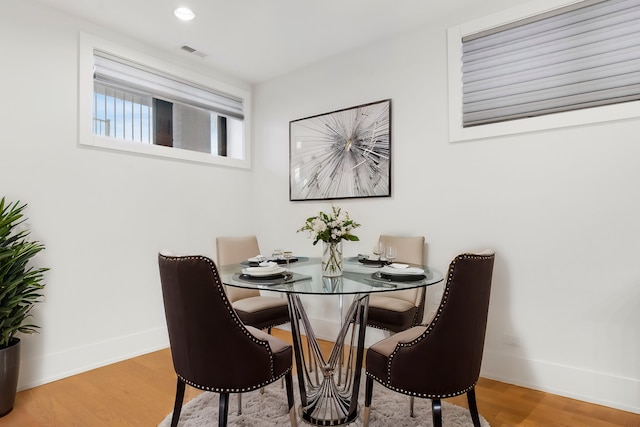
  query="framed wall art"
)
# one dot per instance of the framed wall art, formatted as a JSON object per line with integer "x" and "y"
{"x": 341, "y": 155}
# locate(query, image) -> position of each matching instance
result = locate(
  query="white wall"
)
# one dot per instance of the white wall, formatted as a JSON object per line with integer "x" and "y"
{"x": 561, "y": 209}
{"x": 102, "y": 215}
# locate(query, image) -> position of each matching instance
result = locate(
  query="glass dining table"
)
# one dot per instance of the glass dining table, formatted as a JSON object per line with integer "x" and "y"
{"x": 329, "y": 384}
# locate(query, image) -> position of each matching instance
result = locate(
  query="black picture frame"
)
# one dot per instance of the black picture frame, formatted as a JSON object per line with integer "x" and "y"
{"x": 343, "y": 154}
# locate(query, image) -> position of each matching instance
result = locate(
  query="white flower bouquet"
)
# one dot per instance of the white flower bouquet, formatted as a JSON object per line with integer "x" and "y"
{"x": 332, "y": 227}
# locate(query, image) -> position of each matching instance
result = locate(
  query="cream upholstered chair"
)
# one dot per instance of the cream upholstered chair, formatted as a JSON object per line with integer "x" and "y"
{"x": 399, "y": 310}
{"x": 211, "y": 349}
{"x": 443, "y": 358}
{"x": 262, "y": 312}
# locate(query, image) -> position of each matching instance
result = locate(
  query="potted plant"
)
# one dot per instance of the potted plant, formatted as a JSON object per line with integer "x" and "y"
{"x": 20, "y": 288}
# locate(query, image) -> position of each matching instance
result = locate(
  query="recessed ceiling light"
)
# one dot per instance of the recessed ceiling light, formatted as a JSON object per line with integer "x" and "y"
{"x": 184, "y": 13}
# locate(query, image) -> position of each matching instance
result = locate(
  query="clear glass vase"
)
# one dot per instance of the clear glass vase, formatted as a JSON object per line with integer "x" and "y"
{"x": 331, "y": 259}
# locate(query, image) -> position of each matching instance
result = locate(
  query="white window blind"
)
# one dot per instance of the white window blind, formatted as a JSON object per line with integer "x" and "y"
{"x": 580, "y": 56}
{"x": 119, "y": 71}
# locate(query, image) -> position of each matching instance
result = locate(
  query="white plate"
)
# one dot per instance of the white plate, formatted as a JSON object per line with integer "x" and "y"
{"x": 263, "y": 271}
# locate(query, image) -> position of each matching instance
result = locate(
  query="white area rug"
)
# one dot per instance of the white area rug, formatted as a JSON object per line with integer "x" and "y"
{"x": 270, "y": 409}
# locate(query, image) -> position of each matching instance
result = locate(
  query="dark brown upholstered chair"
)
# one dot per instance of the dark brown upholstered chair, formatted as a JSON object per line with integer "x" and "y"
{"x": 211, "y": 348}
{"x": 399, "y": 310}
{"x": 441, "y": 359}
{"x": 259, "y": 311}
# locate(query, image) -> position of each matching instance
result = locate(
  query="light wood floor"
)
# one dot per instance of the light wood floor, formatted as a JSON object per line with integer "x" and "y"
{"x": 140, "y": 392}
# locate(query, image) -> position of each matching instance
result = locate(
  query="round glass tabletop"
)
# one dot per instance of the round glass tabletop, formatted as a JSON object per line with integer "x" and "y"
{"x": 305, "y": 277}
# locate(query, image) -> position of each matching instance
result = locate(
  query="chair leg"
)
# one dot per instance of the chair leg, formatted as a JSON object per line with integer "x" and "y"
{"x": 412, "y": 400}
{"x": 436, "y": 412}
{"x": 368, "y": 394}
{"x": 473, "y": 407}
{"x": 239, "y": 403}
{"x": 223, "y": 409}
{"x": 177, "y": 406}
{"x": 290, "y": 401}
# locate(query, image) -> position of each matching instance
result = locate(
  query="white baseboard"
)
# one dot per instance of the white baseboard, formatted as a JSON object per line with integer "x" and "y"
{"x": 581, "y": 384}
{"x": 52, "y": 367}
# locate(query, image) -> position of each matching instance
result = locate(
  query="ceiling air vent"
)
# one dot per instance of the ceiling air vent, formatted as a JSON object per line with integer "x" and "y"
{"x": 194, "y": 51}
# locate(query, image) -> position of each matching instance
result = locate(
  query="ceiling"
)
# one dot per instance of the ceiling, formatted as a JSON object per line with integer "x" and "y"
{"x": 256, "y": 40}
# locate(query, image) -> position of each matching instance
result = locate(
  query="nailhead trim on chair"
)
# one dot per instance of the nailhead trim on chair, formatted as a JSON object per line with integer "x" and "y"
{"x": 237, "y": 320}
{"x": 273, "y": 325}
{"x": 377, "y": 327}
{"x": 426, "y": 395}
{"x": 434, "y": 321}
{"x": 234, "y": 390}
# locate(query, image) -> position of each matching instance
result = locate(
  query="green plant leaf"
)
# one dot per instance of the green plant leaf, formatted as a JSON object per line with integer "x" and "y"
{"x": 21, "y": 284}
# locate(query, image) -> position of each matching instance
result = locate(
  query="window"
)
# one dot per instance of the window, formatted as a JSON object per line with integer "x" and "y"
{"x": 143, "y": 105}
{"x": 564, "y": 60}
{"x": 122, "y": 114}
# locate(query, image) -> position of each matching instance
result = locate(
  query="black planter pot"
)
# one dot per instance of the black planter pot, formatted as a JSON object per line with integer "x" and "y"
{"x": 9, "y": 370}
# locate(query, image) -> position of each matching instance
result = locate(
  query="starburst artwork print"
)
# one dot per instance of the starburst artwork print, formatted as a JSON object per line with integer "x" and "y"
{"x": 343, "y": 154}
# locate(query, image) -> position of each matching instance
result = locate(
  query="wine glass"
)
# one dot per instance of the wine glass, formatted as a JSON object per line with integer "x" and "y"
{"x": 276, "y": 254}
{"x": 378, "y": 249}
{"x": 392, "y": 254}
{"x": 287, "y": 255}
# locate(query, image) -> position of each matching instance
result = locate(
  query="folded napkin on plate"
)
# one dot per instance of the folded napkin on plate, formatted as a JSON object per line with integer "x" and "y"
{"x": 268, "y": 264}
{"x": 387, "y": 269}
{"x": 267, "y": 268}
{"x": 398, "y": 265}
{"x": 257, "y": 258}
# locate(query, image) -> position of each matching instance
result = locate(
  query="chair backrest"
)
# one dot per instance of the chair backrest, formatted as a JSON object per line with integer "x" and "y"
{"x": 233, "y": 250}
{"x": 410, "y": 251}
{"x": 447, "y": 356}
{"x": 210, "y": 346}
{"x": 410, "y": 248}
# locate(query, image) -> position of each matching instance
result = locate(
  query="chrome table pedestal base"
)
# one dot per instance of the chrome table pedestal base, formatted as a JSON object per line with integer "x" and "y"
{"x": 329, "y": 397}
